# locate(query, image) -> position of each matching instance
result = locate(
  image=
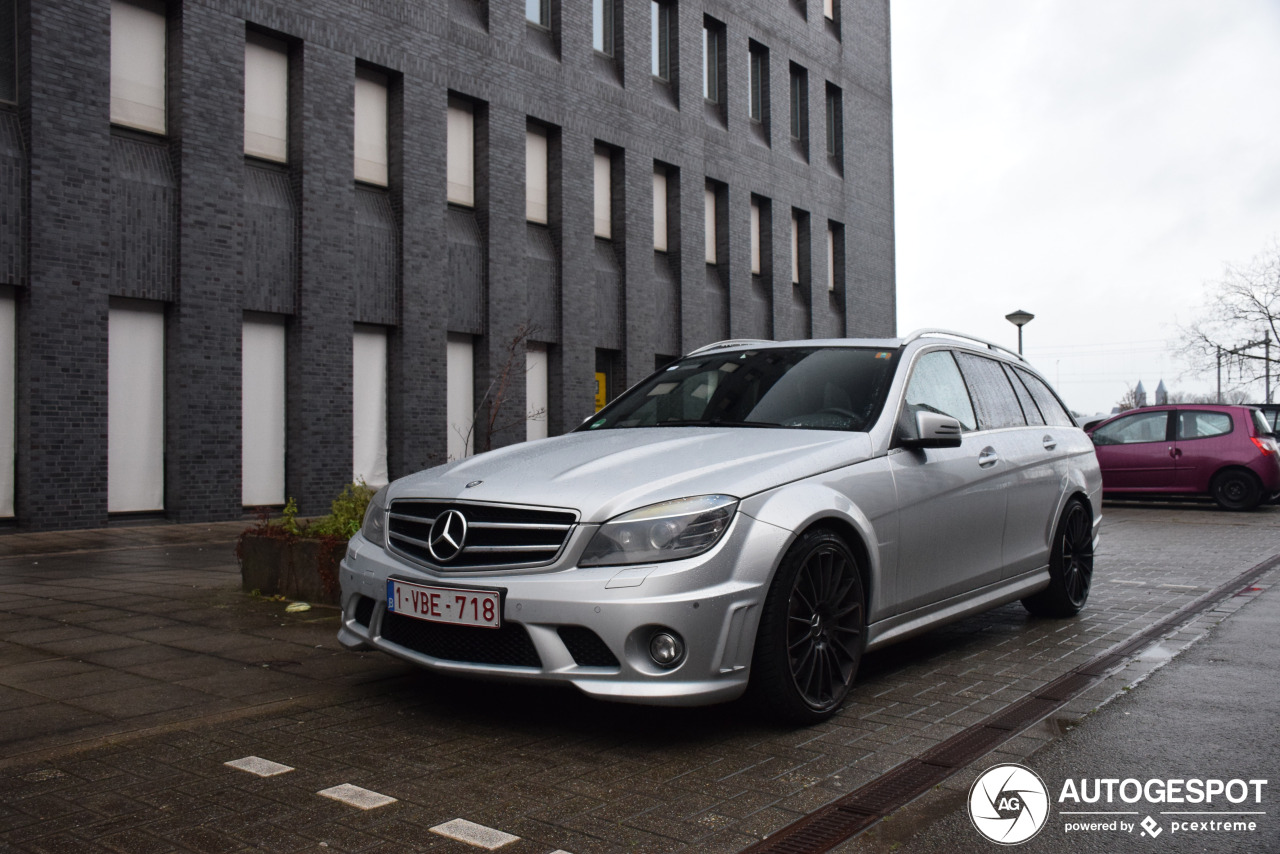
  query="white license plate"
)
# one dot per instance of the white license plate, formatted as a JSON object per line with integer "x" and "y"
{"x": 445, "y": 604}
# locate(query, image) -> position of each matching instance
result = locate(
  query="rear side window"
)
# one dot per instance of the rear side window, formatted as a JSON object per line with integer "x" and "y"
{"x": 1198, "y": 424}
{"x": 1052, "y": 410}
{"x": 1134, "y": 429}
{"x": 993, "y": 397}
{"x": 936, "y": 386}
{"x": 1029, "y": 408}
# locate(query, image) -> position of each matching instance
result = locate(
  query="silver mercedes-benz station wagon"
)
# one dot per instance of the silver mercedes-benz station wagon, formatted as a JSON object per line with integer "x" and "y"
{"x": 750, "y": 519}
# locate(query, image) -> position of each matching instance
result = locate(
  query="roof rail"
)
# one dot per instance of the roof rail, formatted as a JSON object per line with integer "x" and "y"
{"x": 947, "y": 333}
{"x": 731, "y": 342}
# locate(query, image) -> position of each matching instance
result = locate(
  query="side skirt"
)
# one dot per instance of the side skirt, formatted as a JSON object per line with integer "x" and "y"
{"x": 902, "y": 626}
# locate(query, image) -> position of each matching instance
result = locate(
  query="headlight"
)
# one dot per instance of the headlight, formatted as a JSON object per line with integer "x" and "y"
{"x": 667, "y": 531}
{"x": 375, "y": 519}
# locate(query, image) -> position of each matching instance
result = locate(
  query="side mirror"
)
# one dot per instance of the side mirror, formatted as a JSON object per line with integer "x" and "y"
{"x": 935, "y": 431}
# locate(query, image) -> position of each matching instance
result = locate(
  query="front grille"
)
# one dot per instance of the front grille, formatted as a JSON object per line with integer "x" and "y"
{"x": 509, "y": 644}
{"x": 496, "y": 535}
{"x": 586, "y": 647}
{"x": 364, "y": 610}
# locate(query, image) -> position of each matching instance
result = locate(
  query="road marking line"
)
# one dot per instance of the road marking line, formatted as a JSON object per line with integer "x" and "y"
{"x": 474, "y": 834}
{"x": 356, "y": 796}
{"x": 258, "y": 765}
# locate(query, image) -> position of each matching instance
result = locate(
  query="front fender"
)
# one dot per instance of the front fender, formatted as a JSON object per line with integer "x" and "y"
{"x": 870, "y": 521}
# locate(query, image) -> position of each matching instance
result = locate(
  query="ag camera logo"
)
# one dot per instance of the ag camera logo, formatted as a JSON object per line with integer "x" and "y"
{"x": 1008, "y": 804}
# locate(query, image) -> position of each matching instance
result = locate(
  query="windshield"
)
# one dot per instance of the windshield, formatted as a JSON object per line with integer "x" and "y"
{"x": 816, "y": 388}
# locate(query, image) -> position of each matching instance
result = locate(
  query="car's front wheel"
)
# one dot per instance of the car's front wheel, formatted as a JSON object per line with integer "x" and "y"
{"x": 1070, "y": 566}
{"x": 812, "y": 631}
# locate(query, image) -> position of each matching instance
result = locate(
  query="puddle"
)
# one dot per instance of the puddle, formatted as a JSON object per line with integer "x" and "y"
{"x": 1159, "y": 652}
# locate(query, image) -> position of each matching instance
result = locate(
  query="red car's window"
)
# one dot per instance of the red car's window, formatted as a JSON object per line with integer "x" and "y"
{"x": 1194, "y": 424}
{"x": 1134, "y": 429}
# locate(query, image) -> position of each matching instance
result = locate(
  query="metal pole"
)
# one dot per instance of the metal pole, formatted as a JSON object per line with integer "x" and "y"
{"x": 1219, "y": 349}
{"x": 1266, "y": 360}
{"x": 1019, "y": 340}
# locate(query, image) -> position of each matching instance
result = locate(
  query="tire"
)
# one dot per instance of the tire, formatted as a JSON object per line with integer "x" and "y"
{"x": 812, "y": 632}
{"x": 1236, "y": 489}
{"x": 1070, "y": 566}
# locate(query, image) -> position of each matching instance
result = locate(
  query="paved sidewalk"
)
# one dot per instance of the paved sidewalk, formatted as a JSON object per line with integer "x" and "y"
{"x": 1209, "y": 713}
{"x": 132, "y": 669}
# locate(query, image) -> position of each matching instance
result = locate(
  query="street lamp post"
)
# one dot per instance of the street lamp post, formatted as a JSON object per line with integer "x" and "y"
{"x": 1020, "y": 319}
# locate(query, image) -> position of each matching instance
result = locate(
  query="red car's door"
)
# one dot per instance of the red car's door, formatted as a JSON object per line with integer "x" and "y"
{"x": 1136, "y": 452}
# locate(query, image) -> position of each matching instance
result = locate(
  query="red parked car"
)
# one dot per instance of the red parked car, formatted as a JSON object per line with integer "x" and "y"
{"x": 1227, "y": 452}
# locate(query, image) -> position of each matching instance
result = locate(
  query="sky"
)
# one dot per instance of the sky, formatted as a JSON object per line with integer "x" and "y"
{"x": 1093, "y": 162}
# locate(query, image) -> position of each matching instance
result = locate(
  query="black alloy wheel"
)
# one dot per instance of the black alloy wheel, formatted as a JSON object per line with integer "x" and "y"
{"x": 1070, "y": 566}
{"x": 812, "y": 631}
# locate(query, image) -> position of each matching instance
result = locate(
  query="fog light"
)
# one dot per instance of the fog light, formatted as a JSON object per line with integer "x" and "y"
{"x": 666, "y": 649}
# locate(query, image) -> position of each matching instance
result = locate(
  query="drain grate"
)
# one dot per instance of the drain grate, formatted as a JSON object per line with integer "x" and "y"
{"x": 815, "y": 831}
{"x": 828, "y": 826}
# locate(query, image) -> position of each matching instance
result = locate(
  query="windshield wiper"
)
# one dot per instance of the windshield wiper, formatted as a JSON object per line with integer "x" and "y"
{"x": 716, "y": 423}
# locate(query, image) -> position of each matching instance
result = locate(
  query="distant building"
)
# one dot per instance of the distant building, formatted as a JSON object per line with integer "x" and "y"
{"x": 254, "y": 249}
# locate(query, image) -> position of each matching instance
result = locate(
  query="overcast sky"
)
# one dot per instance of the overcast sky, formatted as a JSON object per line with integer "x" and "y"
{"x": 1094, "y": 162}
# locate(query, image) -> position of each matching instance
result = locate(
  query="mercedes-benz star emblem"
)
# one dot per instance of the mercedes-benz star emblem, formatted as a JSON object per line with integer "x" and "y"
{"x": 448, "y": 534}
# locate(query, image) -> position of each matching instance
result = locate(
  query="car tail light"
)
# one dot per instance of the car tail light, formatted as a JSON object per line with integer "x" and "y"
{"x": 1266, "y": 445}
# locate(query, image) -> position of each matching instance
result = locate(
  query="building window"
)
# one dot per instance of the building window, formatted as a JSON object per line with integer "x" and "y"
{"x": 831, "y": 258}
{"x": 535, "y": 174}
{"x": 795, "y": 247}
{"x": 8, "y": 400}
{"x": 712, "y": 60}
{"x": 537, "y": 390}
{"x": 602, "y": 26}
{"x": 835, "y": 122}
{"x": 799, "y": 102}
{"x": 538, "y": 12}
{"x": 135, "y": 406}
{"x": 8, "y": 50}
{"x": 759, "y": 72}
{"x": 371, "y": 127}
{"x": 137, "y": 64}
{"x": 660, "y": 236}
{"x": 369, "y": 405}
{"x": 711, "y": 232}
{"x": 266, "y": 98}
{"x": 755, "y": 238}
{"x": 262, "y": 410}
{"x": 604, "y": 193}
{"x": 459, "y": 395}
{"x": 460, "y": 153}
{"x": 662, "y": 19}
{"x": 830, "y": 9}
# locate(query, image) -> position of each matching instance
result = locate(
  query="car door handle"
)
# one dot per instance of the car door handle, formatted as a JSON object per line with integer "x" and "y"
{"x": 1049, "y": 443}
{"x": 987, "y": 458}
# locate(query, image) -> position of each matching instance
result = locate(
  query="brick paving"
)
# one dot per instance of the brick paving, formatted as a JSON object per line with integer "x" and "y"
{"x": 132, "y": 668}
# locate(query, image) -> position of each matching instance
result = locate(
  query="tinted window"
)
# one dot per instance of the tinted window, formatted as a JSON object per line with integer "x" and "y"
{"x": 1194, "y": 424}
{"x": 1050, "y": 407}
{"x": 1029, "y": 408}
{"x": 936, "y": 386}
{"x": 1134, "y": 429}
{"x": 820, "y": 388}
{"x": 993, "y": 397}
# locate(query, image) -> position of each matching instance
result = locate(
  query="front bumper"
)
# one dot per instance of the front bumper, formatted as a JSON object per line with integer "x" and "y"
{"x": 712, "y": 602}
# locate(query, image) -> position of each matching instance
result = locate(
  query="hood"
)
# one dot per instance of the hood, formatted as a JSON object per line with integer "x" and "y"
{"x": 603, "y": 473}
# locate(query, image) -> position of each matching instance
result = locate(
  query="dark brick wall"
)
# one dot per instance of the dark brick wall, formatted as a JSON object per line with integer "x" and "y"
{"x": 223, "y": 235}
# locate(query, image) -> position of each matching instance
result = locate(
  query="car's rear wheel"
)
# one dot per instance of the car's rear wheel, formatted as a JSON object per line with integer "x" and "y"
{"x": 812, "y": 631}
{"x": 1236, "y": 489}
{"x": 1070, "y": 566}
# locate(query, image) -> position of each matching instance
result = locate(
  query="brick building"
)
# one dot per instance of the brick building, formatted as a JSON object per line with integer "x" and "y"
{"x": 253, "y": 247}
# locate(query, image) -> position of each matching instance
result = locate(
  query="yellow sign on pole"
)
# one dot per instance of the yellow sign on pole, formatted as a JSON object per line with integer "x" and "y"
{"x": 602, "y": 396}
